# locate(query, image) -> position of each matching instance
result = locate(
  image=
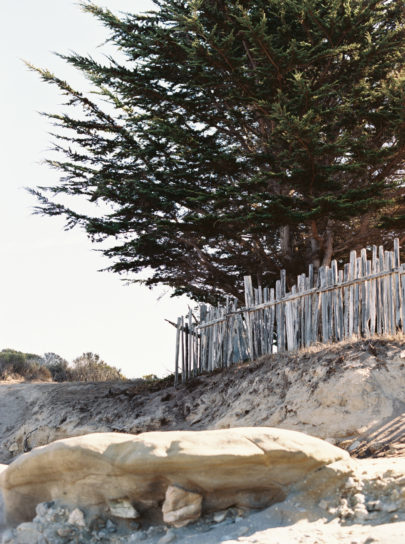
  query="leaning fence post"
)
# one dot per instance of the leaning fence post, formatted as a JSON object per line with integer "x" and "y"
{"x": 248, "y": 302}
{"x": 176, "y": 372}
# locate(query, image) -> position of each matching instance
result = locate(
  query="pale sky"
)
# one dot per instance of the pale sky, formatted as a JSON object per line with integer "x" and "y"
{"x": 52, "y": 297}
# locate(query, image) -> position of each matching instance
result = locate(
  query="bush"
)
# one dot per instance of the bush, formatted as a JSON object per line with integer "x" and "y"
{"x": 90, "y": 368}
{"x": 57, "y": 366}
{"x": 86, "y": 368}
{"x": 150, "y": 377}
{"x": 22, "y": 365}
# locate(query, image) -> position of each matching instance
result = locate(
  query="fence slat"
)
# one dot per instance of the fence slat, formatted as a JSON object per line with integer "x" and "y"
{"x": 248, "y": 304}
{"x": 403, "y": 298}
{"x": 397, "y": 285}
{"x": 373, "y": 293}
{"x": 176, "y": 356}
{"x": 279, "y": 323}
{"x": 365, "y": 305}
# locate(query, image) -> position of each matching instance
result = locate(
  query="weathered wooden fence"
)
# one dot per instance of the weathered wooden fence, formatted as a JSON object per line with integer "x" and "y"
{"x": 364, "y": 298}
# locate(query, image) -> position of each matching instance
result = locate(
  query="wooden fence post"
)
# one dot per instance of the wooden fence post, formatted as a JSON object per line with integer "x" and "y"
{"x": 366, "y": 297}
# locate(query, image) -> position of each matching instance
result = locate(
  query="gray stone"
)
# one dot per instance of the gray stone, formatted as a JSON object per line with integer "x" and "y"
{"x": 27, "y": 533}
{"x": 122, "y": 508}
{"x": 8, "y": 537}
{"x": 76, "y": 517}
{"x": 110, "y": 526}
{"x": 167, "y": 538}
{"x": 65, "y": 531}
{"x": 220, "y": 516}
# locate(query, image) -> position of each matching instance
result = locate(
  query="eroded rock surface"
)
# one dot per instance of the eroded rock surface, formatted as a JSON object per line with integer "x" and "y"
{"x": 369, "y": 508}
{"x": 234, "y": 467}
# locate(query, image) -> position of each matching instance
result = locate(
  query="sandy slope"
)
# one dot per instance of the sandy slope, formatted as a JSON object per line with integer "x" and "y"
{"x": 352, "y": 394}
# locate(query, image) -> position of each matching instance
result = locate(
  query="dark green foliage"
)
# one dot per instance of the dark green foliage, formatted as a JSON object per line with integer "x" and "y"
{"x": 240, "y": 138}
{"x": 58, "y": 367}
{"x": 16, "y": 364}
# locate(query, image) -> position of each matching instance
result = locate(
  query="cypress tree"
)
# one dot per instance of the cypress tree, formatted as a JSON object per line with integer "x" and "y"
{"x": 238, "y": 138}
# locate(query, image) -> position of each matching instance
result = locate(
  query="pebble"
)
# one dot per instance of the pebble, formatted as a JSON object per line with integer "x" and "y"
{"x": 111, "y": 526}
{"x": 220, "y": 516}
{"x": 350, "y": 483}
{"x": 122, "y": 508}
{"x": 360, "y": 512}
{"x": 65, "y": 531}
{"x": 7, "y": 537}
{"x": 76, "y": 517}
{"x": 390, "y": 507}
{"x": 168, "y": 537}
{"x": 359, "y": 498}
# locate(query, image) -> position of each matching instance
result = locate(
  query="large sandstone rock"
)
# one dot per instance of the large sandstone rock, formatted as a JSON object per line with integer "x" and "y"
{"x": 243, "y": 467}
{"x": 2, "y": 468}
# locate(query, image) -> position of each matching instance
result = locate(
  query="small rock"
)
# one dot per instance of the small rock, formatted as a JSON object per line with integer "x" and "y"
{"x": 374, "y": 506}
{"x": 110, "y": 526}
{"x": 358, "y": 498}
{"x": 389, "y": 507}
{"x": 181, "y": 507}
{"x": 402, "y": 354}
{"x": 8, "y": 537}
{"x": 13, "y": 448}
{"x": 375, "y": 447}
{"x": 220, "y": 516}
{"x": 354, "y": 445}
{"x": 350, "y": 483}
{"x": 136, "y": 537}
{"x": 65, "y": 531}
{"x": 43, "y": 507}
{"x": 323, "y": 504}
{"x": 77, "y": 518}
{"x": 243, "y": 531}
{"x": 343, "y": 510}
{"x": 27, "y": 533}
{"x": 168, "y": 537}
{"x": 122, "y": 508}
{"x": 360, "y": 512}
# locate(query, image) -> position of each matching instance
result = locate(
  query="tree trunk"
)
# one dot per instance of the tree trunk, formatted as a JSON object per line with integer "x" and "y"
{"x": 315, "y": 246}
{"x": 328, "y": 248}
{"x": 285, "y": 243}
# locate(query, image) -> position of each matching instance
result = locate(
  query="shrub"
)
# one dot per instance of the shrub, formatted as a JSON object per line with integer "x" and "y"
{"x": 25, "y": 365}
{"x": 86, "y": 368}
{"x": 57, "y": 366}
{"x": 150, "y": 377}
{"x": 90, "y": 368}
